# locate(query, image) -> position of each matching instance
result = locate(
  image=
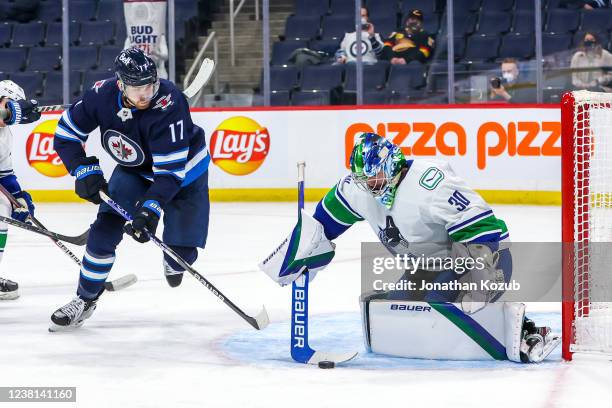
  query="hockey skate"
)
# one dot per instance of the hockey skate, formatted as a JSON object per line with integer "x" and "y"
{"x": 9, "y": 290}
{"x": 72, "y": 315}
{"x": 537, "y": 342}
{"x": 173, "y": 277}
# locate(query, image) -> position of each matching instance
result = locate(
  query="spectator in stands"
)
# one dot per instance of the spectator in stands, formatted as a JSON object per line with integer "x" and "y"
{"x": 586, "y": 4}
{"x": 23, "y": 10}
{"x": 512, "y": 86}
{"x": 372, "y": 44}
{"x": 412, "y": 44}
{"x": 587, "y": 60}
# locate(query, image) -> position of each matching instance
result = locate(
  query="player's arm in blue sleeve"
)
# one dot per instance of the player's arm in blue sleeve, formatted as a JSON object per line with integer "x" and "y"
{"x": 170, "y": 147}
{"x": 73, "y": 130}
{"x": 335, "y": 212}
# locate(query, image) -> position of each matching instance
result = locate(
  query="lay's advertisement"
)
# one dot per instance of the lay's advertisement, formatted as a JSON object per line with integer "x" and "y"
{"x": 510, "y": 154}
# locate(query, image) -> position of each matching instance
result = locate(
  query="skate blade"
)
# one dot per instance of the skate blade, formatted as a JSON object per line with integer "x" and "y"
{"x": 9, "y": 295}
{"x": 55, "y": 328}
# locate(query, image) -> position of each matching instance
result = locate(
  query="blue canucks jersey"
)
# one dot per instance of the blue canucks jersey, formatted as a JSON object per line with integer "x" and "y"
{"x": 160, "y": 143}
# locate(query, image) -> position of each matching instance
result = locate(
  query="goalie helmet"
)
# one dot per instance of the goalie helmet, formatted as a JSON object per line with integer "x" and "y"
{"x": 376, "y": 166}
{"x": 10, "y": 90}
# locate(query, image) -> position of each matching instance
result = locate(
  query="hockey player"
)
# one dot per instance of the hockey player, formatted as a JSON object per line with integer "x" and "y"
{"x": 14, "y": 110}
{"x": 419, "y": 207}
{"x": 162, "y": 160}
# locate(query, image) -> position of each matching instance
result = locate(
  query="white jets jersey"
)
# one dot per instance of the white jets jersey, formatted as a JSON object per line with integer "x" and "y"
{"x": 6, "y": 143}
{"x": 432, "y": 206}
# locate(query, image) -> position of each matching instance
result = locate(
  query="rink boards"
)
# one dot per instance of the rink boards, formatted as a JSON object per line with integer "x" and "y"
{"x": 510, "y": 153}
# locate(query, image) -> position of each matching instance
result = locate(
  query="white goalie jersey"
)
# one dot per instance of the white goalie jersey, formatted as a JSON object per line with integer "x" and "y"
{"x": 432, "y": 205}
{"x": 6, "y": 143}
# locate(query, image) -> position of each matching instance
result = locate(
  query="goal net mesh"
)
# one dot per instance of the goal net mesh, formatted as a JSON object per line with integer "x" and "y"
{"x": 592, "y": 222}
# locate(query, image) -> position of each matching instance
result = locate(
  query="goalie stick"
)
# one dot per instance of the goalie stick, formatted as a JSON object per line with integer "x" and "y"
{"x": 111, "y": 286}
{"x": 300, "y": 349}
{"x": 201, "y": 79}
{"x": 259, "y": 322}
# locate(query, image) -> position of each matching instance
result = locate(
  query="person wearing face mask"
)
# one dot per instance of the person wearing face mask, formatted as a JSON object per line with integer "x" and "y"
{"x": 412, "y": 44}
{"x": 511, "y": 87}
{"x": 371, "y": 43}
{"x": 586, "y": 63}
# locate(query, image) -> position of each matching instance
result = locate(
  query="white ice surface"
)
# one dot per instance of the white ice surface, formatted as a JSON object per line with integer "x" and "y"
{"x": 152, "y": 346}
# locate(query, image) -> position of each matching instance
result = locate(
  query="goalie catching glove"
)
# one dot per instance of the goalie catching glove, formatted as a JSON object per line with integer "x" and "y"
{"x": 306, "y": 249}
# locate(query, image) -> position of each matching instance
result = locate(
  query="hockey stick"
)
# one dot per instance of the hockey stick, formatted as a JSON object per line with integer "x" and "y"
{"x": 112, "y": 286}
{"x": 300, "y": 349}
{"x": 201, "y": 79}
{"x": 259, "y": 322}
{"x": 78, "y": 240}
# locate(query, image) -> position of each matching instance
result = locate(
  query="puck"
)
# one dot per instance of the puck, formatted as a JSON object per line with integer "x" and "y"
{"x": 326, "y": 364}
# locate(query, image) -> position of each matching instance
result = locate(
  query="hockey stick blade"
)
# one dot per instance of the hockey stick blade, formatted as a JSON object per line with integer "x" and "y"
{"x": 202, "y": 77}
{"x": 78, "y": 240}
{"x": 121, "y": 283}
{"x": 259, "y": 322}
{"x": 337, "y": 358}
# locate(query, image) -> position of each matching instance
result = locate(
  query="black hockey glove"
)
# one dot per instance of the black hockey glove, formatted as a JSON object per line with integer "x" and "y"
{"x": 22, "y": 111}
{"x": 89, "y": 180}
{"x": 146, "y": 217}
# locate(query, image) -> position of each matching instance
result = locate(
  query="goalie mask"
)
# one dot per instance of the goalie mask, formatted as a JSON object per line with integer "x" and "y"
{"x": 137, "y": 75}
{"x": 376, "y": 166}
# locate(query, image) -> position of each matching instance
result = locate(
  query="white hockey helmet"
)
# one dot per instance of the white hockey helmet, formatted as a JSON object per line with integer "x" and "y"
{"x": 11, "y": 90}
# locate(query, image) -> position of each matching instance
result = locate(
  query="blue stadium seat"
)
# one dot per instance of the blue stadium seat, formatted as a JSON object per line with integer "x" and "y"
{"x": 281, "y": 51}
{"x": 96, "y": 33}
{"x": 491, "y": 67}
{"x": 328, "y": 46}
{"x": 497, "y": 5}
{"x": 12, "y": 59}
{"x": 28, "y": 34}
{"x": 31, "y": 82}
{"x": 83, "y": 58}
{"x": 321, "y": 77}
{"x": 334, "y": 27}
{"x": 524, "y": 22}
{"x": 54, "y": 33}
{"x": 428, "y": 7}
{"x": 120, "y": 33}
{"x": 111, "y": 10}
{"x": 464, "y": 24}
{"x": 91, "y": 77}
{"x": 465, "y": 7}
{"x": 527, "y": 5}
{"x": 342, "y": 7}
{"x": 108, "y": 53}
{"x": 302, "y": 27}
{"x": 402, "y": 78}
{"x": 81, "y": 10}
{"x": 283, "y": 78}
{"x": 43, "y": 59}
{"x": 597, "y": 20}
{"x": 481, "y": 48}
{"x": 6, "y": 30}
{"x": 311, "y": 7}
{"x": 442, "y": 48}
{"x": 385, "y": 26}
{"x": 375, "y": 97}
{"x": 553, "y": 43}
{"x": 310, "y": 98}
{"x": 374, "y": 77}
{"x": 50, "y": 10}
{"x": 280, "y": 98}
{"x": 382, "y": 9}
{"x": 517, "y": 46}
{"x": 494, "y": 23}
{"x": 562, "y": 21}
{"x": 54, "y": 82}
{"x": 431, "y": 23}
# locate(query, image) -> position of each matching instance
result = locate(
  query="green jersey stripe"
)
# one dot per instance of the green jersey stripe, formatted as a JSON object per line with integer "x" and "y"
{"x": 337, "y": 210}
{"x": 485, "y": 226}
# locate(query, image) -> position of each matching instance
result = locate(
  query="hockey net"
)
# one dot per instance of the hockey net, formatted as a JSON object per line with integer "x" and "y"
{"x": 587, "y": 222}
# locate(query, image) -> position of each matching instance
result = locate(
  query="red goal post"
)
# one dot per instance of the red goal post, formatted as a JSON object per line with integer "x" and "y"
{"x": 586, "y": 178}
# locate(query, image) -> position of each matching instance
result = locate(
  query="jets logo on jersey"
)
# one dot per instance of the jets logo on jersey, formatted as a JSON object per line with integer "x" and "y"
{"x": 96, "y": 87}
{"x": 125, "y": 151}
{"x": 164, "y": 102}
